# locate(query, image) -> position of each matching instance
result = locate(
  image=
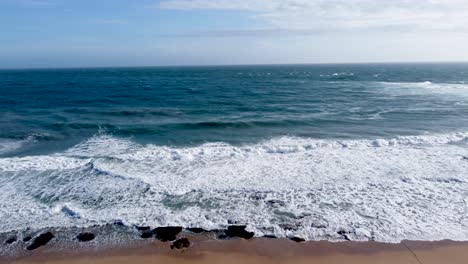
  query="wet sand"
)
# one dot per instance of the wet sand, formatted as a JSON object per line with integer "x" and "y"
{"x": 262, "y": 250}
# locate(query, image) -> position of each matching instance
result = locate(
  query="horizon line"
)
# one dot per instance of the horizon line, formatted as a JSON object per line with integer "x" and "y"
{"x": 227, "y": 65}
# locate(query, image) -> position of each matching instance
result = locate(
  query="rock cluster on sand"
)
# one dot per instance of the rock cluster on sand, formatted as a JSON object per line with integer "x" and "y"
{"x": 297, "y": 239}
{"x": 180, "y": 243}
{"x": 41, "y": 240}
{"x": 196, "y": 230}
{"x": 146, "y": 234}
{"x": 238, "y": 231}
{"x": 85, "y": 237}
{"x": 142, "y": 228}
{"x": 11, "y": 240}
{"x": 145, "y": 231}
{"x": 167, "y": 233}
{"x": 344, "y": 234}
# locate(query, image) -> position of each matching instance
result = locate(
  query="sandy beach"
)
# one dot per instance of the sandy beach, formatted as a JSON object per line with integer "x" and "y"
{"x": 261, "y": 250}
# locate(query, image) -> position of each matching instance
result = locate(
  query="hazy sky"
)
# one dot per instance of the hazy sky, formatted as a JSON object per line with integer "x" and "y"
{"x": 71, "y": 33}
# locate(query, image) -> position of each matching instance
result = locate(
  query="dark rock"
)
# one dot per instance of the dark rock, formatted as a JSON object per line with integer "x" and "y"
{"x": 297, "y": 239}
{"x": 118, "y": 223}
{"x": 146, "y": 235}
{"x": 85, "y": 237}
{"x": 41, "y": 240}
{"x": 167, "y": 233}
{"x": 465, "y": 158}
{"x": 180, "y": 243}
{"x": 344, "y": 234}
{"x": 269, "y": 236}
{"x": 142, "y": 228}
{"x": 11, "y": 240}
{"x": 196, "y": 230}
{"x": 26, "y": 239}
{"x": 222, "y": 237}
{"x": 239, "y": 231}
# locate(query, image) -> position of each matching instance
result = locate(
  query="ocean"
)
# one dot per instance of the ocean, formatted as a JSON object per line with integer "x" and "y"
{"x": 373, "y": 151}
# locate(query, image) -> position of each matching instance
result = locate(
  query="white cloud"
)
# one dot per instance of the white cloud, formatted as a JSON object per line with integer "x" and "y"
{"x": 343, "y": 14}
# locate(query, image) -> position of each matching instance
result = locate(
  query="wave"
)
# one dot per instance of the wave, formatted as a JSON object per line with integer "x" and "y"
{"x": 105, "y": 145}
{"x": 387, "y": 190}
{"x": 128, "y": 112}
{"x": 236, "y": 124}
{"x": 8, "y": 146}
{"x": 338, "y": 75}
{"x": 155, "y": 129}
{"x": 11, "y": 145}
{"x": 425, "y": 87}
{"x": 142, "y": 113}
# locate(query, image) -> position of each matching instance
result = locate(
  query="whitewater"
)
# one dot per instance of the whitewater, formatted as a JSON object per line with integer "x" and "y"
{"x": 388, "y": 190}
{"x": 361, "y": 152}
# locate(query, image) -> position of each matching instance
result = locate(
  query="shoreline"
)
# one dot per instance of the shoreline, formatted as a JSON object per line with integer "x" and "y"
{"x": 224, "y": 246}
{"x": 263, "y": 250}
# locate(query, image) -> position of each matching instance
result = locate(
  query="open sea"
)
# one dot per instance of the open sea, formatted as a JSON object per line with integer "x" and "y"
{"x": 373, "y": 151}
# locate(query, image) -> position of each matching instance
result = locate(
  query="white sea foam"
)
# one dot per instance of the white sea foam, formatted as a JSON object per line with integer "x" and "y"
{"x": 338, "y": 74}
{"x": 102, "y": 145}
{"x": 40, "y": 163}
{"x": 424, "y": 88}
{"x": 385, "y": 189}
{"x": 9, "y": 145}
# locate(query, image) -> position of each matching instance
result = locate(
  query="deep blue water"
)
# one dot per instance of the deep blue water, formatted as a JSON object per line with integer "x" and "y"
{"x": 57, "y": 108}
{"x": 378, "y": 152}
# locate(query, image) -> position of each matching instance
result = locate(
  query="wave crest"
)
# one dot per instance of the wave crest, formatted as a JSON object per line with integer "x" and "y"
{"x": 425, "y": 87}
{"x": 383, "y": 189}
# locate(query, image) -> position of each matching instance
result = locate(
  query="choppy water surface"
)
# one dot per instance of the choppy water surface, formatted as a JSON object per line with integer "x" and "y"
{"x": 379, "y": 152}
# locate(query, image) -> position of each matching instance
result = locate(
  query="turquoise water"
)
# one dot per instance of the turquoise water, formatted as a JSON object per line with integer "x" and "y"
{"x": 305, "y": 150}
{"x": 239, "y": 104}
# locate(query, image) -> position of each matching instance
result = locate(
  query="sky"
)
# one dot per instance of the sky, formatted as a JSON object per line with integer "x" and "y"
{"x": 94, "y": 33}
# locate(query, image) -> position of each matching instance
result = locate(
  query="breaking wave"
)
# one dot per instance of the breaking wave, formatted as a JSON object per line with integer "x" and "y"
{"x": 412, "y": 187}
{"x": 8, "y": 145}
{"x": 425, "y": 88}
